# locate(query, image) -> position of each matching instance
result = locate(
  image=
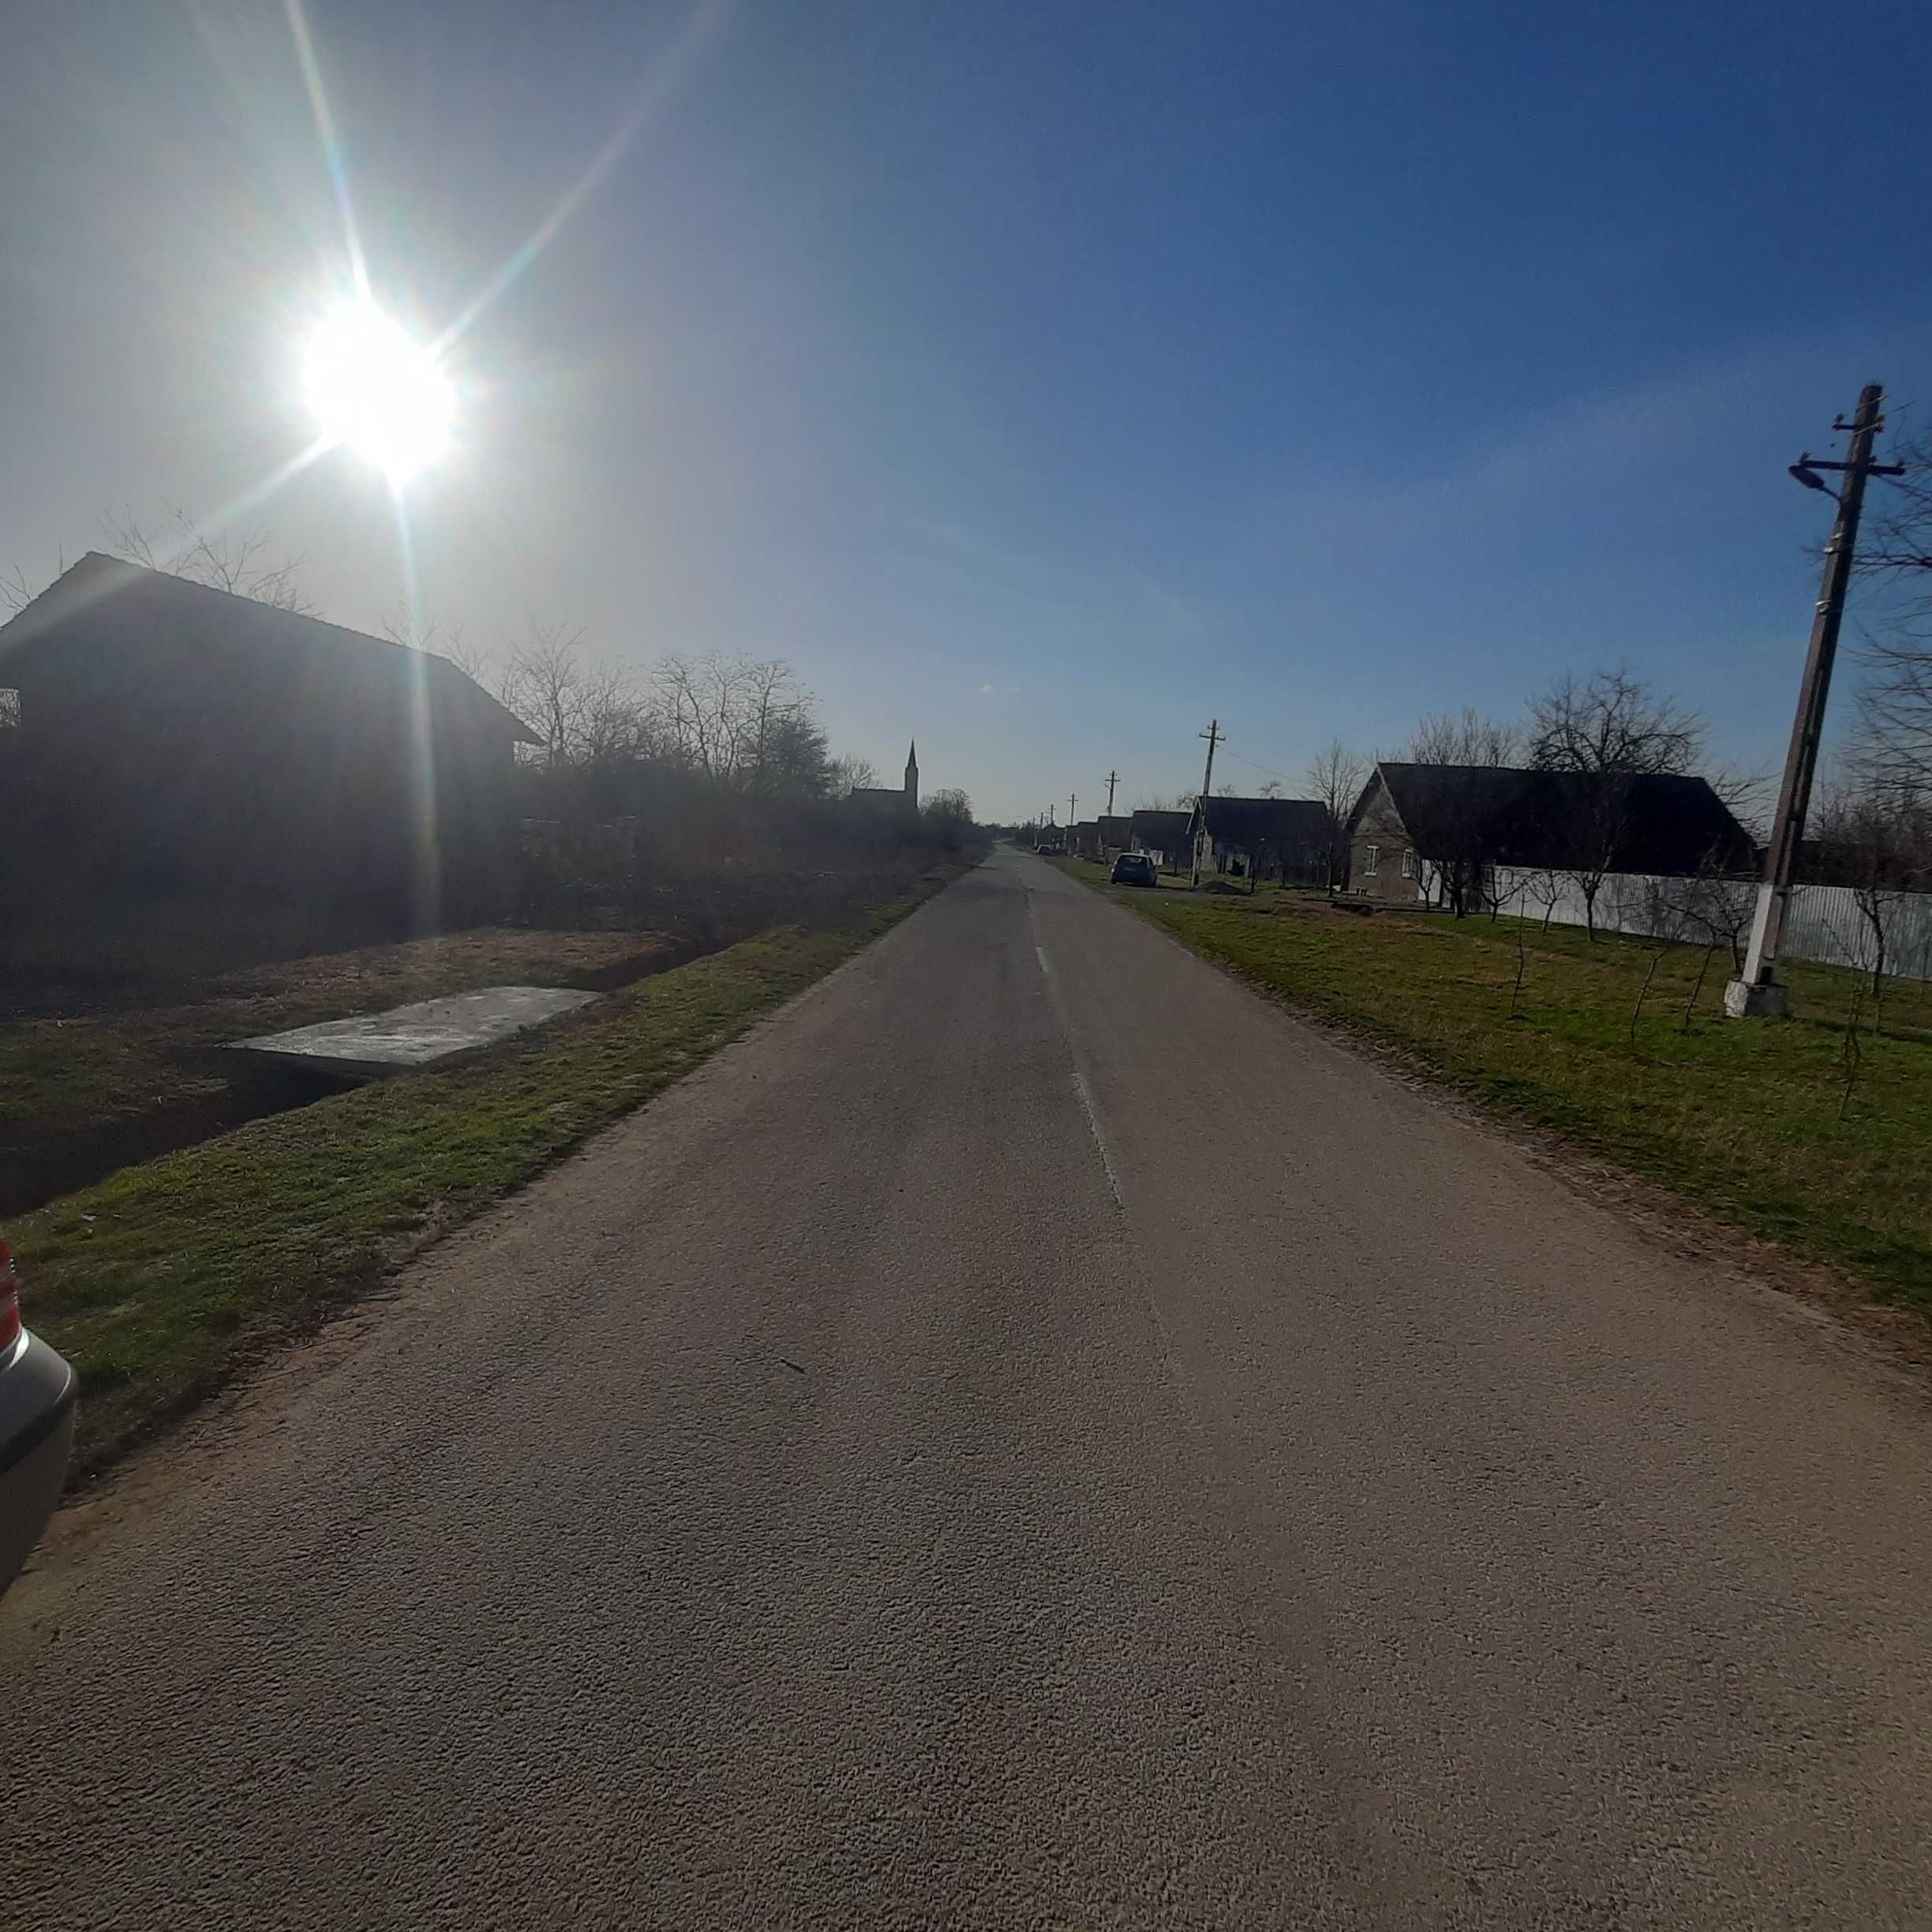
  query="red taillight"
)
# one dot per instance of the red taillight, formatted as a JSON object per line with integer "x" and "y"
{"x": 10, "y": 1298}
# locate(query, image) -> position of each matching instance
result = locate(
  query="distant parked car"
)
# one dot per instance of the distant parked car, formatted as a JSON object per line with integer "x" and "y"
{"x": 1134, "y": 869}
{"x": 36, "y": 1427}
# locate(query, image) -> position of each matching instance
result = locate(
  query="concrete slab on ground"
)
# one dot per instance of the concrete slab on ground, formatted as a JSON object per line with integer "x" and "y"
{"x": 370, "y": 1046}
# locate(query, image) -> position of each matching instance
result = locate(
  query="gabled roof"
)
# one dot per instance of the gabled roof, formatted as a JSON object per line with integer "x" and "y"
{"x": 1671, "y": 824}
{"x": 1164, "y": 830}
{"x": 1422, "y": 793}
{"x": 125, "y": 598}
{"x": 1286, "y": 825}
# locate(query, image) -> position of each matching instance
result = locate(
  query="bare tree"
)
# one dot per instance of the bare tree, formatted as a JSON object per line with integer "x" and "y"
{"x": 782, "y": 748}
{"x": 17, "y": 590}
{"x": 1450, "y": 816}
{"x": 1464, "y": 738}
{"x": 543, "y": 684}
{"x": 947, "y": 818}
{"x": 614, "y": 722}
{"x": 1611, "y": 722}
{"x": 1523, "y": 951}
{"x": 1600, "y": 734}
{"x": 747, "y": 724}
{"x": 705, "y": 701}
{"x": 1545, "y": 885}
{"x": 851, "y": 773}
{"x": 1643, "y": 992}
{"x": 1748, "y": 792}
{"x": 1894, "y": 741}
{"x": 477, "y": 661}
{"x": 1713, "y": 905}
{"x": 1895, "y": 557}
{"x": 1876, "y": 838}
{"x": 242, "y": 562}
{"x": 1335, "y": 778}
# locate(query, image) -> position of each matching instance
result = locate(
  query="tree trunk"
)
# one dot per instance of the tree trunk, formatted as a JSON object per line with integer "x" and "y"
{"x": 1690, "y": 1004}
{"x": 1643, "y": 993}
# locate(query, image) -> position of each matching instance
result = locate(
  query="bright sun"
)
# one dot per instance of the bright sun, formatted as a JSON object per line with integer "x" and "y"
{"x": 375, "y": 390}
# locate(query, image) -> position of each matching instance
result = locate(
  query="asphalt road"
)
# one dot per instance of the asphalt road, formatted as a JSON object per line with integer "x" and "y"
{"x": 1032, "y": 1436}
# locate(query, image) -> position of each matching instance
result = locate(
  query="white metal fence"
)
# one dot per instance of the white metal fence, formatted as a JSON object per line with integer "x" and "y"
{"x": 1823, "y": 924}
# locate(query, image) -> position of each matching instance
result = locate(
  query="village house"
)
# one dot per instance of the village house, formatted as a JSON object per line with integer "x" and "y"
{"x": 1261, "y": 838}
{"x": 1432, "y": 834}
{"x": 1161, "y": 835}
{"x": 176, "y": 742}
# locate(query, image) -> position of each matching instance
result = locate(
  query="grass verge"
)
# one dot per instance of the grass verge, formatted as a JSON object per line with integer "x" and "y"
{"x": 1750, "y": 1121}
{"x": 89, "y": 1084}
{"x": 160, "y": 1281}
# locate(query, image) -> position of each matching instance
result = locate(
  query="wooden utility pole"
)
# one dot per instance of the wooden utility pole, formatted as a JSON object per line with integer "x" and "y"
{"x": 1112, "y": 780}
{"x": 1213, "y": 735}
{"x": 1757, "y": 991}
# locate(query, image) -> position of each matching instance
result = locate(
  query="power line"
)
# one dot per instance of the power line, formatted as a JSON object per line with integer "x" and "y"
{"x": 1239, "y": 760}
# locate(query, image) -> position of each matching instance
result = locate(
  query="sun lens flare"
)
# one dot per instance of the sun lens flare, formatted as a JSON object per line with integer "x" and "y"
{"x": 378, "y": 393}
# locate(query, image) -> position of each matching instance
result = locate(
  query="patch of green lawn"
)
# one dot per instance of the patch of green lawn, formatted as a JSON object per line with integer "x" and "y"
{"x": 159, "y": 1281}
{"x": 1742, "y": 1118}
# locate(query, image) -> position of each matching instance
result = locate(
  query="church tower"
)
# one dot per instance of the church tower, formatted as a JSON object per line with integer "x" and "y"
{"x": 911, "y": 783}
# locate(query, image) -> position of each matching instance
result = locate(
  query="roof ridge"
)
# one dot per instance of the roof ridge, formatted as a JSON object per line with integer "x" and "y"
{"x": 131, "y": 574}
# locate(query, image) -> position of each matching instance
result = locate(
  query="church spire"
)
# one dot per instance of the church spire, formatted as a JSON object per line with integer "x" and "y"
{"x": 912, "y": 771}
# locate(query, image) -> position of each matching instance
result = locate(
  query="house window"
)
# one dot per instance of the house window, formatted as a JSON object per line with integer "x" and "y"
{"x": 1408, "y": 865}
{"x": 1373, "y": 859}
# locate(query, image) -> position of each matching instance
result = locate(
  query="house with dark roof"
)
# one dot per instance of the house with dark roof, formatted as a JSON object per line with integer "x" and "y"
{"x": 1428, "y": 834}
{"x": 1114, "y": 831}
{"x": 1161, "y": 835}
{"x": 1258, "y": 838}
{"x": 179, "y": 743}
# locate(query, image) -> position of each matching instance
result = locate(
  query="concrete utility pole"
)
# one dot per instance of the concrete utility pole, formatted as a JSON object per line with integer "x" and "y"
{"x": 1112, "y": 780}
{"x": 1072, "y": 800}
{"x": 1213, "y": 735}
{"x": 1758, "y": 991}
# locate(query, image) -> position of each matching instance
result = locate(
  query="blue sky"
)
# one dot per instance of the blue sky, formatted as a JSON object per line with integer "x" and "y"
{"x": 1042, "y": 379}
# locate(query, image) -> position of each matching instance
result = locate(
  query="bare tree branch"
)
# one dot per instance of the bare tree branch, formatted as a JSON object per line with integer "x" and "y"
{"x": 240, "y": 562}
{"x": 1335, "y": 778}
